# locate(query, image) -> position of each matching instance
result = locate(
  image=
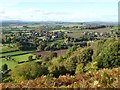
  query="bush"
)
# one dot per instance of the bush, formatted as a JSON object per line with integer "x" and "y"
{"x": 27, "y": 71}
{"x": 79, "y": 68}
{"x": 85, "y": 56}
{"x": 70, "y": 50}
{"x": 60, "y": 59}
{"x": 4, "y": 67}
{"x": 47, "y": 48}
{"x": 70, "y": 65}
{"x": 30, "y": 58}
{"x": 45, "y": 58}
{"x": 37, "y": 56}
{"x": 53, "y": 54}
{"x": 91, "y": 66}
{"x": 57, "y": 70}
{"x": 109, "y": 54}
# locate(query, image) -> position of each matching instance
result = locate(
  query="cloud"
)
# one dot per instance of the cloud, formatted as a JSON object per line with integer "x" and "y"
{"x": 2, "y": 12}
{"x": 34, "y": 14}
{"x": 13, "y": 10}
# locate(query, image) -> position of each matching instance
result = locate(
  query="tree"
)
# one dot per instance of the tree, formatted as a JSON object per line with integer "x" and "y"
{"x": 57, "y": 70}
{"x": 41, "y": 46}
{"x": 19, "y": 46}
{"x": 60, "y": 59}
{"x": 37, "y": 56}
{"x": 91, "y": 66}
{"x": 45, "y": 58}
{"x": 109, "y": 55}
{"x": 53, "y": 54}
{"x": 70, "y": 65}
{"x": 4, "y": 67}
{"x": 26, "y": 71}
{"x": 98, "y": 45}
{"x": 85, "y": 56}
{"x": 80, "y": 68}
{"x": 30, "y": 58}
{"x": 70, "y": 50}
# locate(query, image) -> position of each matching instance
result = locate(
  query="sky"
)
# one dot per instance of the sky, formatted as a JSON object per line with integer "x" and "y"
{"x": 59, "y": 10}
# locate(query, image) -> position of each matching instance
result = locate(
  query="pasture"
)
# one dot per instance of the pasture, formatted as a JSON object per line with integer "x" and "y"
{"x": 15, "y": 56}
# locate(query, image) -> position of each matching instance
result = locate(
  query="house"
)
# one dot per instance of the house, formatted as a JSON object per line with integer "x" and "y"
{"x": 54, "y": 36}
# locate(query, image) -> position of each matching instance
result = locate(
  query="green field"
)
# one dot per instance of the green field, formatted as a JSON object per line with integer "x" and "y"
{"x": 21, "y": 27}
{"x": 16, "y": 56}
{"x": 12, "y": 63}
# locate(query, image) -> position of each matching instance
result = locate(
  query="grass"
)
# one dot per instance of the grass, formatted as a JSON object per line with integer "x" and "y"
{"x": 5, "y": 47}
{"x": 20, "y": 27}
{"x": 15, "y": 53}
{"x": 22, "y": 57}
{"x": 11, "y": 64}
{"x": 18, "y": 56}
{"x": 59, "y": 30}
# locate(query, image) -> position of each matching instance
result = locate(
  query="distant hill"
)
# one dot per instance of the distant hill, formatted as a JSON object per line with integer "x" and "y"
{"x": 18, "y": 22}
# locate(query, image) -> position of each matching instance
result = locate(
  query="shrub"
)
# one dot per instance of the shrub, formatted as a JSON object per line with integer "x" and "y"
{"x": 46, "y": 58}
{"x": 70, "y": 50}
{"x": 57, "y": 70}
{"x": 91, "y": 66}
{"x": 27, "y": 71}
{"x": 37, "y": 56}
{"x": 4, "y": 67}
{"x": 30, "y": 58}
{"x": 85, "y": 56}
{"x": 79, "y": 68}
{"x": 53, "y": 70}
{"x": 53, "y": 54}
{"x": 109, "y": 55}
{"x": 60, "y": 59}
{"x": 70, "y": 65}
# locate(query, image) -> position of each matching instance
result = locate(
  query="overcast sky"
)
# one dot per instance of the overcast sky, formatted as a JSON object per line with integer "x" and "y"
{"x": 59, "y": 10}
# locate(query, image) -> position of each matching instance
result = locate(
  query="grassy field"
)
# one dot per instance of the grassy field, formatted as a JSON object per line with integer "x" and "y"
{"x": 23, "y": 57}
{"x": 21, "y": 27}
{"x": 16, "y": 56}
{"x": 59, "y": 30}
{"x": 12, "y": 63}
